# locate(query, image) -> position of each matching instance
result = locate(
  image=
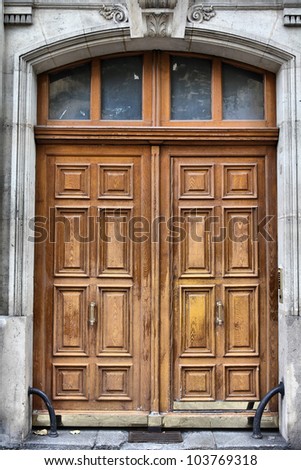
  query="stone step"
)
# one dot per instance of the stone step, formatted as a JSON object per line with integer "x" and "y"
{"x": 192, "y": 440}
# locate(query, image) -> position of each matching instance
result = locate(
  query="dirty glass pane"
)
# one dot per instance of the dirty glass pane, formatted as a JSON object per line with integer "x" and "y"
{"x": 243, "y": 94}
{"x": 121, "y": 89}
{"x": 69, "y": 93}
{"x": 190, "y": 88}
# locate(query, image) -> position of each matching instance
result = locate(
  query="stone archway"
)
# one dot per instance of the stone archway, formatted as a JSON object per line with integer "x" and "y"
{"x": 46, "y": 56}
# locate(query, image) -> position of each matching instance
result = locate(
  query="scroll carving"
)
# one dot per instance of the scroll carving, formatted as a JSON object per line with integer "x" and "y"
{"x": 157, "y": 18}
{"x": 118, "y": 13}
{"x": 199, "y": 13}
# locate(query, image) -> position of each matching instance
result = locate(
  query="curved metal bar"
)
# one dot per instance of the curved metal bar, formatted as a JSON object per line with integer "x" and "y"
{"x": 53, "y": 426}
{"x": 258, "y": 415}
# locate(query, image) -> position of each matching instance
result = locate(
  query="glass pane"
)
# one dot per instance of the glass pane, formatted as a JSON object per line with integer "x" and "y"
{"x": 69, "y": 93}
{"x": 243, "y": 94}
{"x": 190, "y": 88}
{"x": 121, "y": 89}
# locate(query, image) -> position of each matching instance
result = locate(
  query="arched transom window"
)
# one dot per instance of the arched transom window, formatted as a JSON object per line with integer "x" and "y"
{"x": 158, "y": 89}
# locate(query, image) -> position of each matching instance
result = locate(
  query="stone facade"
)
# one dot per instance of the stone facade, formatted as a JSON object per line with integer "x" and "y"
{"x": 38, "y": 35}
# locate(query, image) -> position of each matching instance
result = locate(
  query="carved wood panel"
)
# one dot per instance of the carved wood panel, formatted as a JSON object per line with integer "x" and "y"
{"x": 241, "y": 320}
{"x": 115, "y": 244}
{"x": 240, "y": 181}
{"x": 71, "y": 236}
{"x": 70, "y": 382}
{"x": 70, "y": 321}
{"x": 240, "y": 244}
{"x": 197, "y": 383}
{"x": 198, "y": 323}
{"x": 114, "y": 383}
{"x": 241, "y": 382}
{"x": 115, "y": 181}
{"x": 114, "y": 333}
{"x": 196, "y": 182}
{"x": 219, "y": 272}
{"x": 92, "y": 299}
{"x": 72, "y": 181}
{"x": 196, "y": 248}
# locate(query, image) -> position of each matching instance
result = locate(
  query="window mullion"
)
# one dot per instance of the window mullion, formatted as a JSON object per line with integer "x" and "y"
{"x": 217, "y": 95}
{"x": 95, "y": 90}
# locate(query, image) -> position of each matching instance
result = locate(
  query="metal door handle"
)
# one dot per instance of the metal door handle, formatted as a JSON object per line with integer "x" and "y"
{"x": 92, "y": 314}
{"x": 219, "y": 313}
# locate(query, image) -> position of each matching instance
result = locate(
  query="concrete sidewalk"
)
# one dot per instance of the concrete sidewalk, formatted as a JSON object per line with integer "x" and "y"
{"x": 108, "y": 439}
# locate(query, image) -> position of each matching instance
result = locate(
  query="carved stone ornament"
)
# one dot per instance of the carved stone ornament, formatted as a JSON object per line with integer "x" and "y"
{"x": 199, "y": 13}
{"x": 157, "y": 17}
{"x": 18, "y": 13}
{"x": 157, "y": 25}
{"x": 170, "y": 4}
{"x": 292, "y": 14}
{"x": 118, "y": 13}
{"x": 292, "y": 20}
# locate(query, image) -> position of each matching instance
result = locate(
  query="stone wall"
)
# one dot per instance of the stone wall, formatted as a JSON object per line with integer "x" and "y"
{"x": 2, "y": 271}
{"x": 4, "y": 200}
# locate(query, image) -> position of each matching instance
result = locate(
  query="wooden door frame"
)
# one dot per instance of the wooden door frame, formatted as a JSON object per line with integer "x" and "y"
{"x": 243, "y": 138}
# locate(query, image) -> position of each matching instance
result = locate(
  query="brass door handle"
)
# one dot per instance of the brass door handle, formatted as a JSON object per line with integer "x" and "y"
{"x": 92, "y": 313}
{"x": 219, "y": 313}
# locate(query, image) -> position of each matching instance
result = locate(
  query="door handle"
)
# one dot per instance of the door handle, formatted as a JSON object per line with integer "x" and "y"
{"x": 219, "y": 313}
{"x": 92, "y": 313}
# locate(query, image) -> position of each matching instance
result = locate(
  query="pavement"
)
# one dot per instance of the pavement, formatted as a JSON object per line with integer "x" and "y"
{"x": 108, "y": 439}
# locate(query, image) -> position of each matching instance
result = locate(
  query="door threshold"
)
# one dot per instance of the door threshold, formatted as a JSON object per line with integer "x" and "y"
{"x": 217, "y": 420}
{"x": 175, "y": 420}
{"x": 118, "y": 419}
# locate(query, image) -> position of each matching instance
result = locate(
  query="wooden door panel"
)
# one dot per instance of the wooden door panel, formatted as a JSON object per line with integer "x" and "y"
{"x": 72, "y": 181}
{"x": 115, "y": 248}
{"x": 92, "y": 194}
{"x": 115, "y": 331}
{"x": 115, "y": 181}
{"x": 71, "y": 249}
{"x": 70, "y": 322}
{"x": 240, "y": 245}
{"x": 241, "y": 383}
{"x": 197, "y": 320}
{"x": 114, "y": 383}
{"x": 196, "y": 251}
{"x": 197, "y": 383}
{"x": 241, "y": 320}
{"x": 240, "y": 181}
{"x": 70, "y": 382}
{"x": 219, "y": 354}
{"x": 196, "y": 181}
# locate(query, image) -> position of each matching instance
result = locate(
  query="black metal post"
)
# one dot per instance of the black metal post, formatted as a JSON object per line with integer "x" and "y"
{"x": 53, "y": 426}
{"x": 258, "y": 415}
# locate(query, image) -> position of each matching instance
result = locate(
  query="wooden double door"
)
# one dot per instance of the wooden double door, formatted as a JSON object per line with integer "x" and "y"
{"x": 155, "y": 282}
